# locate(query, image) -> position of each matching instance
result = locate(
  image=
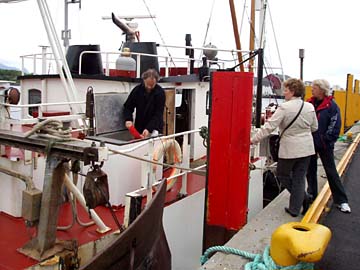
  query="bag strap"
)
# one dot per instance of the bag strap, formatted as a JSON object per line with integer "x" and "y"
{"x": 302, "y": 105}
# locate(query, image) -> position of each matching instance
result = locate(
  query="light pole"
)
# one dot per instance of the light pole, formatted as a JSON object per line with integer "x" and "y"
{"x": 301, "y": 56}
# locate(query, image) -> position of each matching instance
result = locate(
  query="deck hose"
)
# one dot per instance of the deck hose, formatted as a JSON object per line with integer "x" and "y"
{"x": 260, "y": 262}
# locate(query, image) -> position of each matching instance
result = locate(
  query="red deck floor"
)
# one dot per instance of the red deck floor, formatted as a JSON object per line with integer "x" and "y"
{"x": 13, "y": 233}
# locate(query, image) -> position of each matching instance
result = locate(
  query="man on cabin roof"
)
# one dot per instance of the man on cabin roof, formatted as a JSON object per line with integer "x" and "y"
{"x": 148, "y": 98}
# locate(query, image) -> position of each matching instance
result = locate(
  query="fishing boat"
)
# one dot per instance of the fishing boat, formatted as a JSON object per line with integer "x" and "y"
{"x": 78, "y": 186}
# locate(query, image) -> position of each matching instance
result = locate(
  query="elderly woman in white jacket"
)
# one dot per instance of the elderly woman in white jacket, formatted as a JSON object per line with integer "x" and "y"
{"x": 296, "y": 143}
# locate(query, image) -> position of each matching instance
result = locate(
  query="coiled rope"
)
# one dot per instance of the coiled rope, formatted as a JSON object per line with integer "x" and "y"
{"x": 51, "y": 129}
{"x": 204, "y": 134}
{"x": 260, "y": 262}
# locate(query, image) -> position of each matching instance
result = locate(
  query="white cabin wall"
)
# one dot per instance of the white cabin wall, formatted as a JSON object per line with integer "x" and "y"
{"x": 124, "y": 173}
{"x": 255, "y": 201}
{"x": 183, "y": 224}
{"x": 12, "y": 187}
{"x": 55, "y": 92}
{"x": 199, "y": 119}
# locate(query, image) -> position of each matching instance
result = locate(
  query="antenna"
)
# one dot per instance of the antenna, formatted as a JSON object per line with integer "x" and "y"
{"x": 130, "y": 17}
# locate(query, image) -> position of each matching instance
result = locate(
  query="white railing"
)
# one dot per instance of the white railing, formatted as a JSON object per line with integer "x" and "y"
{"x": 149, "y": 173}
{"x": 47, "y": 58}
{"x": 168, "y": 61}
{"x": 138, "y": 61}
{"x": 150, "y": 144}
{"x": 31, "y": 120}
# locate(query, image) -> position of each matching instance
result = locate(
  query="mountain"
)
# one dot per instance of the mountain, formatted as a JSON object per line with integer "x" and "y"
{"x": 3, "y": 66}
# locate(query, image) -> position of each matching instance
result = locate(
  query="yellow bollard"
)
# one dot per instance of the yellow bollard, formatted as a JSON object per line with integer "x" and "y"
{"x": 296, "y": 241}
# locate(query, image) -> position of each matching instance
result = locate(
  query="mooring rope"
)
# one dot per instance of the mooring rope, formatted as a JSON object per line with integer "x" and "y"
{"x": 259, "y": 262}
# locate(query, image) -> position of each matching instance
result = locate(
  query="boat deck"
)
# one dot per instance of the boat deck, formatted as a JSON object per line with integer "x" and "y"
{"x": 342, "y": 251}
{"x": 14, "y": 233}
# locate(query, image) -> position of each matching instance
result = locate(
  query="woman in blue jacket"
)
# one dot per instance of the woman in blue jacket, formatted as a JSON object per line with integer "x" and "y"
{"x": 329, "y": 124}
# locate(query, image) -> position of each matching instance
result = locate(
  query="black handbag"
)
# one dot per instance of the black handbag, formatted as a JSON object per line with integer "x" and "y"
{"x": 275, "y": 139}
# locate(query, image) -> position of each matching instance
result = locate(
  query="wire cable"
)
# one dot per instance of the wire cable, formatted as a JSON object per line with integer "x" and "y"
{"x": 153, "y": 162}
{"x": 276, "y": 43}
{"x": 208, "y": 24}
{"x": 157, "y": 29}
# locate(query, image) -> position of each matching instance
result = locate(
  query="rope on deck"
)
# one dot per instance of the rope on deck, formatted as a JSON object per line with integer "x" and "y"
{"x": 51, "y": 129}
{"x": 259, "y": 262}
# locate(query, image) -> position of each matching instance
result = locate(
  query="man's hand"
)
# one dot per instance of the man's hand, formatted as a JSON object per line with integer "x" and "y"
{"x": 145, "y": 133}
{"x": 128, "y": 124}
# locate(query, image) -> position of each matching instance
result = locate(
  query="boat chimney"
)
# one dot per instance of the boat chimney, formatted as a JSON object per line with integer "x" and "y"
{"x": 130, "y": 33}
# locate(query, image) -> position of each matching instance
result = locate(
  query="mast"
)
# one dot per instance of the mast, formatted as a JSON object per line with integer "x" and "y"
{"x": 252, "y": 34}
{"x": 236, "y": 33}
{"x": 66, "y": 33}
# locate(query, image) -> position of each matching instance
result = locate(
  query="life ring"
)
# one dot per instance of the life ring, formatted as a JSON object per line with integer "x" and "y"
{"x": 172, "y": 151}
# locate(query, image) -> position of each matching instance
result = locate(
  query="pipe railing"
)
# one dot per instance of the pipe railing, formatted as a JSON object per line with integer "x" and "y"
{"x": 166, "y": 59}
{"x": 150, "y": 182}
{"x": 150, "y": 144}
{"x": 29, "y": 120}
{"x": 138, "y": 60}
{"x": 152, "y": 140}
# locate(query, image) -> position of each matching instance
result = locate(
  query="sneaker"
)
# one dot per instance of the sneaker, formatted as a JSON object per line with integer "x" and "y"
{"x": 344, "y": 207}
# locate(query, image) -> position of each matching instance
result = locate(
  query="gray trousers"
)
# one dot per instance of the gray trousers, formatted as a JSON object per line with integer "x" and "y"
{"x": 291, "y": 174}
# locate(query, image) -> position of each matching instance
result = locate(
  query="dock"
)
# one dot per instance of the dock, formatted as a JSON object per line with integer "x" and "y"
{"x": 341, "y": 253}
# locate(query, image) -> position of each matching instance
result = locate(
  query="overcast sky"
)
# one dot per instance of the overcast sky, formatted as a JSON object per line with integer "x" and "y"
{"x": 326, "y": 29}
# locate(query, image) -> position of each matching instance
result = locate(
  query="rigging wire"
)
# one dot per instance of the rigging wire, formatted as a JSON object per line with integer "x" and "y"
{"x": 262, "y": 27}
{"x": 11, "y": 1}
{"x": 276, "y": 43}
{"x": 242, "y": 17}
{"x": 157, "y": 29}
{"x": 208, "y": 24}
{"x": 265, "y": 60}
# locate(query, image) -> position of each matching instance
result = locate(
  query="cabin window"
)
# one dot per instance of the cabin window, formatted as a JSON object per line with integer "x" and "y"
{"x": 178, "y": 98}
{"x": 34, "y": 98}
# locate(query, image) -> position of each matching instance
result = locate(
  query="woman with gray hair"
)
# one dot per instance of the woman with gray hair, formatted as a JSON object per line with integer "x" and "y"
{"x": 329, "y": 124}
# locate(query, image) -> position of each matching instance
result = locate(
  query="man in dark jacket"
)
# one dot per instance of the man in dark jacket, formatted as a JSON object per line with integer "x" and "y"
{"x": 329, "y": 124}
{"x": 148, "y": 98}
